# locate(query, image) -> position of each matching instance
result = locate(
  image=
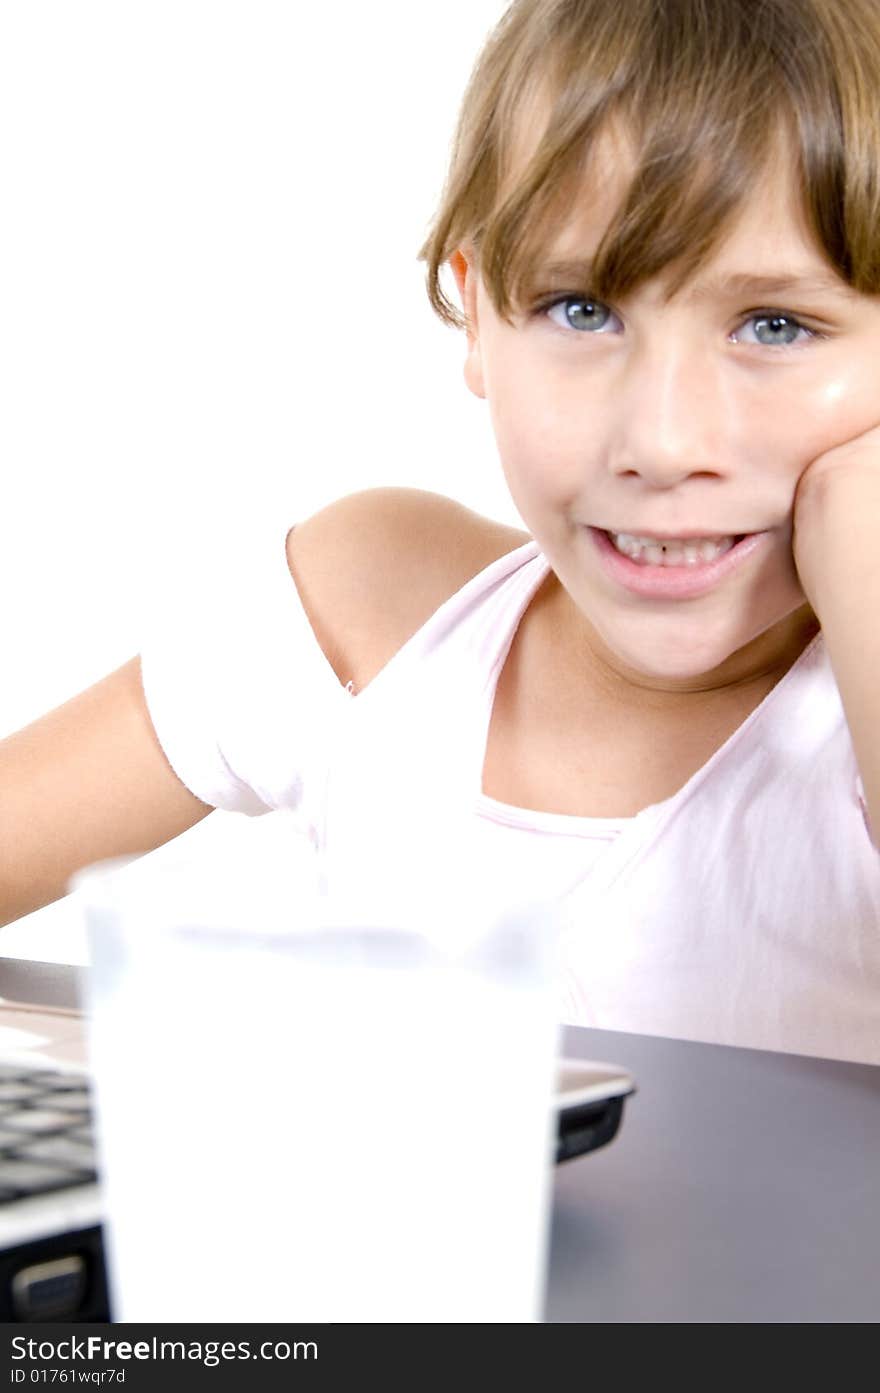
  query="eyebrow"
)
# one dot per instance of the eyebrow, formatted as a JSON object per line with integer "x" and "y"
{"x": 783, "y": 282}
{"x": 775, "y": 283}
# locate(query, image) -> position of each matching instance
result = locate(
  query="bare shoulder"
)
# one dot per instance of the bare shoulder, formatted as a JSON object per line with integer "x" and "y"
{"x": 373, "y": 567}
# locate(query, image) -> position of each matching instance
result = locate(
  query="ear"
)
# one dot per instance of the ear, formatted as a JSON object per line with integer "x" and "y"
{"x": 464, "y": 268}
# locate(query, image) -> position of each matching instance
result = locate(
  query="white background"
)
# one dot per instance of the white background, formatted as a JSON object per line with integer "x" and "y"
{"x": 211, "y": 308}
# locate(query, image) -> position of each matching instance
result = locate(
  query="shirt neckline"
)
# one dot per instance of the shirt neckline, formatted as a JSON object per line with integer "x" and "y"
{"x": 559, "y": 824}
{"x": 570, "y": 824}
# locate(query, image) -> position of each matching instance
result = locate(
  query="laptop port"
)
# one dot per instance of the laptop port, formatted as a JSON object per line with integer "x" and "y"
{"x": 49, "y": 1290}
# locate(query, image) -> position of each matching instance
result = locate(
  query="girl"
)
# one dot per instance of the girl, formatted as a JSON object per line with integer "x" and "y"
{"x": 657, "y": 707}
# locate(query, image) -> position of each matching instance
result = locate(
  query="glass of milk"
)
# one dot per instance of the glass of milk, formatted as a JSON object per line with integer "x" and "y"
{"x": 303, "y": 1117}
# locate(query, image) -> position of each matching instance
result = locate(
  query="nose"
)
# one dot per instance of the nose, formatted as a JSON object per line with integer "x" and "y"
{"x": 670, "y": 417}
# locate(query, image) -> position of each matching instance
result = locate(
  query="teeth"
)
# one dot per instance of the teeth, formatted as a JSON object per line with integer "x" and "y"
{"x": 673, "y": 552}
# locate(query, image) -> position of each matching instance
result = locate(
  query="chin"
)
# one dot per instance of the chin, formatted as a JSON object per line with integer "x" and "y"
{"x": 676, "y": 656}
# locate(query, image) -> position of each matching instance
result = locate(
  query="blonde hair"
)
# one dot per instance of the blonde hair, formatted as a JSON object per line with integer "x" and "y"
{"x": 700, "y": 86}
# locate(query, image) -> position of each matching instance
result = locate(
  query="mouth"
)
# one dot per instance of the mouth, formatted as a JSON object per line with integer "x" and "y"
{"x": 674, "y": 568}
{"x": 686, "y": 549}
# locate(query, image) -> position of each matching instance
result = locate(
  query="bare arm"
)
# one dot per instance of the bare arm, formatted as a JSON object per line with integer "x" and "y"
{"x": 90, "y": 780}
{"x": 87, "y": 781}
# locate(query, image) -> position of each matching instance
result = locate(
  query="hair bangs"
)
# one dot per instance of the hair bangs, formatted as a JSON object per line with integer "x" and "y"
{"x": 704, "y": 97}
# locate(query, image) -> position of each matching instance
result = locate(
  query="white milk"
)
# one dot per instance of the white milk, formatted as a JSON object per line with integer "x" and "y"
{"x": 315, "y": 1121}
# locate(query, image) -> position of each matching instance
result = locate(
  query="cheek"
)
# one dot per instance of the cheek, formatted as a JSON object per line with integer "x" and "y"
{"x": 805, "y": 419}
{"x": 544, "y": 461}
{"x": 543, "y": 441}
{"x": 844, "y": 405}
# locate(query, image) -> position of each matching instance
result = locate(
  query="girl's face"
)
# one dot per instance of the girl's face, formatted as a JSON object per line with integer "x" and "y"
{"x": 693, "y": 417}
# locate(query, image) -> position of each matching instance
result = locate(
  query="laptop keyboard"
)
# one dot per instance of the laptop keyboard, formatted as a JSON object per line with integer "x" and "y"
{"x": 46, "y": 1139}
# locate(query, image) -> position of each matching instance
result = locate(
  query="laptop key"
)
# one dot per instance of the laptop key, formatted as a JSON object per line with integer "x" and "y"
{"x": 68, "y": 1102}
{"x": 39, "y": 1120}
{"x": 35, "y": 1177}
{"x": 83, "y": 1132}
{"x": 63, "y": 1149}
{"x": 58, "y": 1082}
{"x": 10, "y": 1140}
{"x": 17, "y": 1091}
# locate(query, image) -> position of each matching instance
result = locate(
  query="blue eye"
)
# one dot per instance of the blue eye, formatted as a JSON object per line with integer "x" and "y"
{"x": 774, "y": 330}
{"x": 581, "y": 313}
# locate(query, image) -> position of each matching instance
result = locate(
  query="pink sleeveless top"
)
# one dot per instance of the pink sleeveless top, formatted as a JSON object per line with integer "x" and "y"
{"x": 743, "y": 910}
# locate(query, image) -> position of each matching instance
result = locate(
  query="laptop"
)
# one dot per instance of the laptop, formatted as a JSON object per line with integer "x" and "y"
{"x": 52, "y": 1264}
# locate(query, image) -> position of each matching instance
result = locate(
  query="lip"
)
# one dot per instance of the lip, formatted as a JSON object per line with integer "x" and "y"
{"x": 672, "y": 582}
